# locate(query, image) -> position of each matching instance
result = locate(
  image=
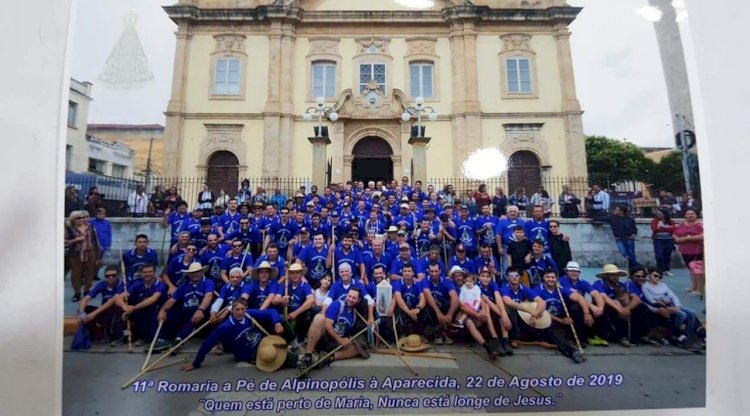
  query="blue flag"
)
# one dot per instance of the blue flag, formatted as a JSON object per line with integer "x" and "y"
{"x": 81, "y": 339}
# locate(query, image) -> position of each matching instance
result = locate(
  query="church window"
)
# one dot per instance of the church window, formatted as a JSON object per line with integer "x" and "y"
{"x": 227, "y": 76}
{"x": 324, "y": 79}
{"x": 421, "y": 79}
{"x": 374, "y": 71}
{"x": 518, "y": 75}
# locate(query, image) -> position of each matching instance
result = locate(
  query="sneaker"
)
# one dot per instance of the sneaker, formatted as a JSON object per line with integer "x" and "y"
{"x": 457, "y": 324}
{"x": 438, "y": 340}
{"x": 490, "y": 351}
{"x": 494, "y": 343}
{"x": 505, "y": 344}
{"x": 119, "y": 341}
{"x": 578, "y": 357}
{"x": 304, "y": 364}
{"x": 598, "y": 342}
{"x": 625, "y": 343}
{"x": 694, "y": 346}
{"x": 448, "y": 340}
{"x": 161, "y": 345}
{"x": 650, "y": 341}
{"x": 361, "y": 348}
{"x": 76, "y": 298}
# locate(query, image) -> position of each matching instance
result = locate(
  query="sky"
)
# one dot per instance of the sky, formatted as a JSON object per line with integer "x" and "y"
{"x": 619, "y": 78}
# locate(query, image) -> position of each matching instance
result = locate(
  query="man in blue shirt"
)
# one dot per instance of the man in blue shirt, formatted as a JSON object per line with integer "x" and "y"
{"x": 440, "y": 294}
{"x": 514, "y": 294}
{"x": 193, "y": 224}
{"x": 260, "y": 293}
{"x": 134, "y": 259}
{"x": 229, "y": 222}
{"x": 498, "y": 316}
{"x": 239, "y": 335}
{"x": 172, "y": 275}
{"x": 351, "y": 256}
{"x": 175, "y": 221}
{"x": 484, "y": 226}
{"x": 192, "y": 300}
{"x": 239, "y": 257}
{"x": 403, "y": 258}
{"x": 144, "y": 298}
{"x": 488, "y": 260}
{"x": 537, "y": 262}
{"x": 335, "y": 328}
{"x": 537, "y": 228}
{"x": 103, "y": 320}
{"x": 573, "y": 280}
{"x": 275, "y": 260}
{"x": 295, "y": 300}
{"x": 228, "y": 294}
{"x": 103, "y": 230}
{"x": 314, "y": 257}
{"x": 505, "y": 228}
{"x": 461, "y": 260}
{"x": 408, "y": 296}
{"x": 212, "y": 256}
{"x": 379, "y": 258}
{"x": 282, "y": 231}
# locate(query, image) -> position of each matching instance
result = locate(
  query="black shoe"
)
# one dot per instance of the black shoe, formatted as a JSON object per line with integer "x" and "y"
{"x": 304, "y": 365}
{"x": 505, "y": 345}
{"x": 578, "y": 357}
{"x": 490, "y": 351}
{"x": 361, "y": 347}
{"x": 494, "y": 343}
{"x": 76, "y": 297}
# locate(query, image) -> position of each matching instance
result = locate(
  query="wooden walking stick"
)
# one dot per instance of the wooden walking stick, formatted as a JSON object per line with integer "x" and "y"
{"x": 389, "y": 345}
{"x": 151, "y": 348}
{"x": 171, "y": 350}
{"x": 125, "y": 298}
{"x": 321, "y": 359}
{"x": 417, "y": 355}
{"x": 286, "y": 293}
{"x": 627, "y": 288}
{"x": 333, "y": 254}
{"x": 572, "y": 324}
{"x": 395, "y": 335}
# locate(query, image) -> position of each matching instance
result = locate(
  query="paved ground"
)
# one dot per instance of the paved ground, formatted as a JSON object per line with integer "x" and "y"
{"x": 652, "y": 377}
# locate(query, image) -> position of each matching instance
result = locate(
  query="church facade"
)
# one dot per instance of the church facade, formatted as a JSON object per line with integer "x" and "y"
{"x": 497, "y": 73}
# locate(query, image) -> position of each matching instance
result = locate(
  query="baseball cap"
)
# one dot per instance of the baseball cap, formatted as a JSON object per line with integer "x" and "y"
{"x": 464, "y": 207}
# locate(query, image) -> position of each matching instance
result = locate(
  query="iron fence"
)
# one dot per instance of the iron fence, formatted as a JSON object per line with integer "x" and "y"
{"x": 115, "y": 191}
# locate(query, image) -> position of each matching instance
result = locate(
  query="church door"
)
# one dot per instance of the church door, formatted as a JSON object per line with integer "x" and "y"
{"x": 372, "y": 160}
{"x": 523, "y": 171}
{"x": 223, "y": 173}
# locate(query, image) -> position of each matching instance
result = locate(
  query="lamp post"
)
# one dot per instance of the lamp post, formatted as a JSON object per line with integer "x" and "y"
{"x": 418, "y": 111}
{"x": 321, "y": 140}
{"x": 320, "y": 111}
{"x": 418, "y": 139}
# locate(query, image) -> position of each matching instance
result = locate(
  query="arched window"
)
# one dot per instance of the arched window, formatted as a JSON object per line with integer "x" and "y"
{"x": 524, "y": 171}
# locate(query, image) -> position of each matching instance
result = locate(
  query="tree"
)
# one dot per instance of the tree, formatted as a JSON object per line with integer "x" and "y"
{"x": 667, "y": 175}
{"x": 612, "y": 160}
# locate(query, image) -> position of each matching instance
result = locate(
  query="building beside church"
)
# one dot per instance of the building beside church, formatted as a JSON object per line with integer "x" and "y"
{"x": 498, "y": 73}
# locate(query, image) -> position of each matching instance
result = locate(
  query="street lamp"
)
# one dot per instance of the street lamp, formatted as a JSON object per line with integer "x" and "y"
{"x": 320, "y": 111}
{"x": 418, "y": 111}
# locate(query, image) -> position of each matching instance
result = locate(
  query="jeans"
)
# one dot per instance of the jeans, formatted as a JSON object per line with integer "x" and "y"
{"x": 627, "y": 249}
{"x": 663, "y": 253}
{"x": 687, "y": 317}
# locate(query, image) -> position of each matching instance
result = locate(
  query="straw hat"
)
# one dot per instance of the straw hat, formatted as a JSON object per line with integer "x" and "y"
{"x": 611, "y": 269}
{"x": 572, "y": 265}
{"x": 456, "y": 269}
{"x": 194, "y": 268}
{"x": 413, "y": 343}
{"x": 271, "y": 354}
{"x": 541, "y": 323}
{"x": 392, "y": 229}
{"x": 296, "y": 267}
{"x": 264, "y": 265}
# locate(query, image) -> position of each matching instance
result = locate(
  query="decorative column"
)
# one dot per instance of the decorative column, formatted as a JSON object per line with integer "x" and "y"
{"x": 176, "y": 106}
{"x": 319, "y": 160}
{"x": 347, "y": 168}
{"x": 419, "y": 149}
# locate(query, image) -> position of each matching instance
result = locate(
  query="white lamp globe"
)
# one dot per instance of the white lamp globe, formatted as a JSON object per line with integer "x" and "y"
{"x": 319, "y": 100}
{"x": 307, "y": 116}
{"x": 406, "y": 116}
{"x": 420, "y": 100}
{"x": 333, "y": 116}
{"x": 432, "y": 116}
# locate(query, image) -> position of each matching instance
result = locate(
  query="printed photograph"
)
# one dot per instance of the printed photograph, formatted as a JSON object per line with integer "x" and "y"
{"x": 381, "y": 207}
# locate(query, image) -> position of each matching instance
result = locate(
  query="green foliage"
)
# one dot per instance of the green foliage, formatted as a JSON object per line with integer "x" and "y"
{"x": 667, "y": 174}
{"x": 611, "y": 160}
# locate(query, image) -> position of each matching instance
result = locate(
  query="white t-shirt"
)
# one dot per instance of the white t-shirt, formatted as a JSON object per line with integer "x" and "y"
{"x": 471, "y": 297}
{"x": 320, "y": 297}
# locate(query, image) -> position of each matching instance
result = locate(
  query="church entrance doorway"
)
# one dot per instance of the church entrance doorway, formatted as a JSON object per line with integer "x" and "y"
{"x": 372, "y": 160}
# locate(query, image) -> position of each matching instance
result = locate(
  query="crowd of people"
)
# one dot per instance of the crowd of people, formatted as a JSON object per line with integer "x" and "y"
{"x": 320, "y": 268}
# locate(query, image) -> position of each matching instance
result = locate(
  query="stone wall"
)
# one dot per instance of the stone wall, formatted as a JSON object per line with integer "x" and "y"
{"x": 591, "y": 246}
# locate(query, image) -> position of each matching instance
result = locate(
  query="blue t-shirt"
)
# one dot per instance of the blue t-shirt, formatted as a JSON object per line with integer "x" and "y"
{"x": 343, "y": 318}
{"x": 353, "y": 258}
{"x": 506, "y": 227}
{"x": 229, "y": 293}
{"x": 552, "y": 298}
{"x": 177, "y": 223}
{"x": 467, "y": 264}
{"x": 582, "y": 287}
{"x": 537, "y": 231}
{"x": 258, "y": 295}
{"x": 315, "y": 261}
{"x": 490, "y": 290}
{"x": 282, "y": 234}
{"x": 176, "y": 266}
{"x": 249, "y": 236}
{"x": 522, "y": 294}
{"x": 191, "y": 295}
{"x": 138, "y": 292}
{"x": 134, "y": 262}
{"x": 465, "y": 233}
{"x": 488, "y": 236}
{"x": 241, "y": 337}
{"x": 410, "y": 293}
{"x": 231, "y": 262}
{"x": 107, "y": 293}
{"x": 214, "y": 259}
{"x": 192, "y": 225}
{"x": 440, "y": 291}
{"x": 536, "y": 267}
{"x": 338, "y": 291}
{"x": 297, "y": 294}
{"x": 384, "y": 260}
{"x": 604, "y": 289}
{"x": 423, "y": 243}
{"x": 230, "y": 223}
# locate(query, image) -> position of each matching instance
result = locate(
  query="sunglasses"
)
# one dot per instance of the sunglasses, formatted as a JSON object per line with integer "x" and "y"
{"x": 404, "y": 249}
{"x": 656, "y": 274}
{"x": 191, "y": 249}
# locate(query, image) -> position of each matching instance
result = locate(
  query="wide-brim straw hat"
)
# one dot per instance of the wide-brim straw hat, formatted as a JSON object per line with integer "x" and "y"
{"x": 542, "y": 322}
{"x": 413, "y": 343}
{"x": 271, "y": 354}
{"x": 296, "y": 267}
{"x": 194, "y": 268}
{"x": 267, "y": 266}
{"x": 611, "y": 270}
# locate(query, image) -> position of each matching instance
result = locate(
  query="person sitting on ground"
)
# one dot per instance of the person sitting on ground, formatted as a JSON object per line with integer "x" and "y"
{"x": 104, "y": 319}
{"x": 173, "y": 275}
{"x": 193, "y": 298}
{"x": 334, "y": 328}
{"x": 470, "y": 297}
{"x": 612, "y": 325}
{"x": 343, "y": 285}
{"x": 240, "y": 336}
{"x": 140, "y": 304}
{"x": 476, "y": 318}
{"x": 410, "y": 315}
{"x": 685, "y": 322}
{"x": 260, "y": 293}
{"x": 536, "y": 262}
{"x": 596, "y": 304}
{"x": 228, "y": 294}
{"x": 514, "y": 294}
{"x": 440, "y": 294}
{"x": 321, "y": 293}
{"x": 498, "y": 321}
